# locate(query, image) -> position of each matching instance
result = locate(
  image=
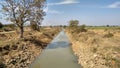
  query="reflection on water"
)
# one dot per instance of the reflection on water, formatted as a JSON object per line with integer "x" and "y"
{"x": 58, "y": 54}
{"x": 55, "y": 45}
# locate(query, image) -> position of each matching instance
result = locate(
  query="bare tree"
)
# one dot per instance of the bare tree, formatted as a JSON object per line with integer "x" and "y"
{"x": 21, "y": 11}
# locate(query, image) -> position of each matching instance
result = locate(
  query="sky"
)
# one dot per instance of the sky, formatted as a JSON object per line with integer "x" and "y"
{"x": 88, "y": 12}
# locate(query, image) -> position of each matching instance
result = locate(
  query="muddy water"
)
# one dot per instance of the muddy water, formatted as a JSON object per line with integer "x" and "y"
{"x": 58, "y": 54}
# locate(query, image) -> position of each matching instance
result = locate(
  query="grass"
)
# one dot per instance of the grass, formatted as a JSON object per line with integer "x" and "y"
{"x": 103, "y": 27}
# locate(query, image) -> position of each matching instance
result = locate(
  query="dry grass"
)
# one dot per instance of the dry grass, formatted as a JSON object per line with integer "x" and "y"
{"x": 15, "y": 52}
{"x": 97, "y": 48}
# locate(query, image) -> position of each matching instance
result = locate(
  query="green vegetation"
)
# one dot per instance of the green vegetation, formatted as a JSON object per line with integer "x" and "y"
{"x": 8, "y": 27}
{"x": 1, "y": 25}
{"x": 103, "y": 27}
{"x": 73, "y": 25}
{"x": 82, "y": 28}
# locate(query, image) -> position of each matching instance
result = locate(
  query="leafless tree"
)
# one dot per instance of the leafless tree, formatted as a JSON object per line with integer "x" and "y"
{"x": 21, "y": 11}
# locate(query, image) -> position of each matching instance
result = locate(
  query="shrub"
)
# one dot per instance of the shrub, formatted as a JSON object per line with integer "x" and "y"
{"x": 10, "y": 26}
{"x": 1, "y": 25}
{"x": 2, "y": 65}
{"x": 6, "y": 29}
{"x": 73, "y": 26}
{"x": 107, "y": 25}
{"x": 94, "y": 49}
{"x": 108, "y": 35}
{"x": 82, "y": 28}
{"x": 34, "y": 26}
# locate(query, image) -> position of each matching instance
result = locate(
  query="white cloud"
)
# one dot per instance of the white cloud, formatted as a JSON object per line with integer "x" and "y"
{"x": 65, "y": 2}
{"x": 114, "y": 5}
{"x": 47, "y": 10}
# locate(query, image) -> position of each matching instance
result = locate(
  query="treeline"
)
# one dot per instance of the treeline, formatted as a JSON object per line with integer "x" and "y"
{"x": 12, "y": 27}
{"x": 7, "y": 27}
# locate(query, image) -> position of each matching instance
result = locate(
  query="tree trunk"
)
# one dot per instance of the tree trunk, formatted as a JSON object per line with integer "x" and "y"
{"x": 21, "y": 31}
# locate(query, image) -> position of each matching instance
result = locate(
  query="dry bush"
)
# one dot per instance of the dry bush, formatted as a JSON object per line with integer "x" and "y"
{"x": 7, "y": 29}
{"x": 82, "y": 28}
{"x": 34, "y": 26}
{"x": 108, "y": 35}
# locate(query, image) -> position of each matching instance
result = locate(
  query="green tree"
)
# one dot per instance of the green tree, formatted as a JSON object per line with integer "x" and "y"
{"x": 21, "y": 11}
{"x": 82, "y": 28}
{"x": 73, "y": 23}
{"x": 1, "y": 25}
{"x": 107, "y": 25}
{"x": 74, "y": 27}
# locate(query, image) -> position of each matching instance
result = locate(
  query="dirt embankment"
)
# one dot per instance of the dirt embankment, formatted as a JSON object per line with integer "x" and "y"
{"x": 96, "y": 48}
{"x": 19, "y": 53}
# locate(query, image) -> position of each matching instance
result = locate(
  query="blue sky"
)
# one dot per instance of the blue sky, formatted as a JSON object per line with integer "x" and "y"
{"x": 89, "y": 12}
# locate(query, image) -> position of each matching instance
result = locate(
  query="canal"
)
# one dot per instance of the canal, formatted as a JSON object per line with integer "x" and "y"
{"x": 58, "y": 54}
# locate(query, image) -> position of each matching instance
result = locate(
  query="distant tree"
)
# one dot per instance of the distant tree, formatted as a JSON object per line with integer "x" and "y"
{"x": 21, "y": 11}
{"x": 82, "y": 28}
{"x": 64, "y": 26}
{"x": 73, "y": 23}
{"x": 74, "y": 27}
{"x": 10, "y": 25}
{"x": 1, "y": 25}
{"x": 107, "y": 25}
{"x": 60, "y": 25}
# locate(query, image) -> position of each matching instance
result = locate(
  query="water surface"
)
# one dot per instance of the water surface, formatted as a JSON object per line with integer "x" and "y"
{"x": 58, "y": 54}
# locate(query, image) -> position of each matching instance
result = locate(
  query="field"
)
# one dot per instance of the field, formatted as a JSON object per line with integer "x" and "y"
{"x": 99, "y": 47}
{"x": 95, "y": 47}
